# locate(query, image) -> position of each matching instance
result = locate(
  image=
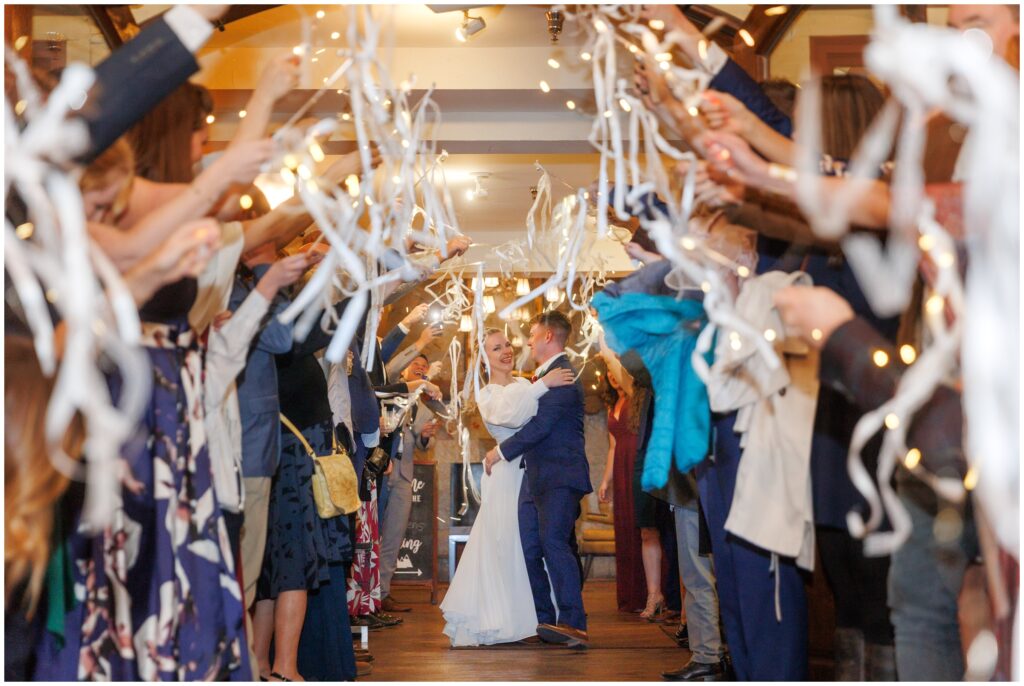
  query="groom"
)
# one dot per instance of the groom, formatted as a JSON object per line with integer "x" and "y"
{"x": 557, "y": 478}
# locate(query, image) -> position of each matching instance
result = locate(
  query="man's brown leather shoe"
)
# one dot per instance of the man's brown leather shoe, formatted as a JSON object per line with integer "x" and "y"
{"x": 389, "y": 605}
{"x": 565, "y": 635}
{"x": 363, "y": 668}
{"x": 530, "y": 641}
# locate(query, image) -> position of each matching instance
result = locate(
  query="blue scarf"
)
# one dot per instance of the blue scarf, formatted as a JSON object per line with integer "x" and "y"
{"x": 663, "y": 331}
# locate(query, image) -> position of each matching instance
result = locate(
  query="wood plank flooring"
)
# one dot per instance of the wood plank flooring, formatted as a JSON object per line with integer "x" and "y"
{"x": 623, "y": 648}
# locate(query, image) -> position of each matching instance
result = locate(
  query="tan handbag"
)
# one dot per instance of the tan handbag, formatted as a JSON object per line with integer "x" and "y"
{"x": 335, "y": 486}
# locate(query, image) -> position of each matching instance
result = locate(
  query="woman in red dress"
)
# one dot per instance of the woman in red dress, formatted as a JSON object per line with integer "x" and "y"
{"x": 635, "y": 589}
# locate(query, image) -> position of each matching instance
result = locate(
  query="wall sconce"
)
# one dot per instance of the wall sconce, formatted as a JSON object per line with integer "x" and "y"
{"x": 491, "y": 282}
{"x": 466, "y": 323}
{"x": 522, "y": 286}
{"x": 552, "y": 295}
{"x": 489, "y": 306}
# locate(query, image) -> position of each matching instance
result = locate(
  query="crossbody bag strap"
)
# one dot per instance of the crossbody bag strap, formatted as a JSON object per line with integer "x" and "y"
{"x": 298, "y": 435}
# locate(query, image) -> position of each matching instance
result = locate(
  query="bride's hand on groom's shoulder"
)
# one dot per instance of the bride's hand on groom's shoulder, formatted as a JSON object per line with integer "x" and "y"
{"x": 558, "y": 377}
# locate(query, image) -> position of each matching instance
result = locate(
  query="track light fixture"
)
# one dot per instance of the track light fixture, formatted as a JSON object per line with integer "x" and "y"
{"x": 470, "y": 26}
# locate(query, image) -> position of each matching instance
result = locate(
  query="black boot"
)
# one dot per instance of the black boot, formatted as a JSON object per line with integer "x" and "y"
{"x": 880, "y": 662}
{"x": 696, "y": 671}
{"x": 849, "y": 655}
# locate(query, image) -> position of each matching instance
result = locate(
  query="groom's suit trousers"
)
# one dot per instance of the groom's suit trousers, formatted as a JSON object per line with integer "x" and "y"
{"x": 547, "y": 528}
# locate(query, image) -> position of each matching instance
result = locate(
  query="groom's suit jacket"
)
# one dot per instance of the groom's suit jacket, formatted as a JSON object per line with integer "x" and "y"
{"x": 552, "y": 442}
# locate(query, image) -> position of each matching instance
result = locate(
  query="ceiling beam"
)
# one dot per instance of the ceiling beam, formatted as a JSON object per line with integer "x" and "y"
{"x": 766, "y": 30}
{"x": 115, "y": 22}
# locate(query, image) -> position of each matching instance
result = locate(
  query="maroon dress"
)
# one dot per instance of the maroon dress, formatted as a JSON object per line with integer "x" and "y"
{"x": 630, "y": 581}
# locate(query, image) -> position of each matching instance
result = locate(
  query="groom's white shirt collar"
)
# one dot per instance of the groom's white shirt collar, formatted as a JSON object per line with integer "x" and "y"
{"x": 541, "y": 370}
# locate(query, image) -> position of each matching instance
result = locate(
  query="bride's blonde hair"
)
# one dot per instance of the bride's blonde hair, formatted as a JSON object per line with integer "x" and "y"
{"x": 481, "y": 355}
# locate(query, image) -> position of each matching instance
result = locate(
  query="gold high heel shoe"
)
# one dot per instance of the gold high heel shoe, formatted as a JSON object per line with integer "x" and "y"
{"x": 653, "y": 609}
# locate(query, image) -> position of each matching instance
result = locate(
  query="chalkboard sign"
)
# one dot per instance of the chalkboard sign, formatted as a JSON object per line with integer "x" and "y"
{"x": 417, "y": 557}
{"x": 462, "y": 523}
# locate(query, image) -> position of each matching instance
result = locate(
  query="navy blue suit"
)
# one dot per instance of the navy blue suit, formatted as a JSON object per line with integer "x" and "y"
{"x": 557, "y": 477}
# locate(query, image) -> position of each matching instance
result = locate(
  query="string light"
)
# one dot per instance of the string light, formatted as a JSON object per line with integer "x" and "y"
{"x": 926, "y": 242}
{"x": 743, "y": 271}
{"x": 20, "y": 107}
{"x": 298, "y": 50}
{"x": 346, "y": 116}
{"x": 570, "y": 104}
{"x": 633, "y": 49}
{"x": 946, "y": 260}
{"x": 600, "y": 26}
{"x": 585, "y": 56}
{"x": 747, "y": 38}
{"x": 816, "y": 334}
{"x": 776, "y": 11}
{"x": 665, "y": 66}
{"x": 607, "y": 114}
{"x": 770, "y": 335}
{"x": 892, "y": 422}
{"x": 693, "y": 111}
{"x": 913, "y": 458}
{"x": 352, "y": 182}
{"x": 908, "y": 354}
{"x": 20, "y": 42}
{"x": 880, "y": 358}
{"x": 545, "y": 87}
{"x": 553, "y": 63}
{"x": 706, "y": 287}
{"x": 971, "y": 479}
{"x": 688, "y": 243}
{"x": 656, "y": 24}
{"x": 210, "y": 119}
{"x": 935, "y": 304}
{"x": 624, "y": 105}
{"x": 734, "y": 341}
{"x": 245, "y": 202}
{"x": 24, "y": 231}
{"x": 320, "y": 14}
{"x": 241, "y": 114}
{"x": 335, "y": 35}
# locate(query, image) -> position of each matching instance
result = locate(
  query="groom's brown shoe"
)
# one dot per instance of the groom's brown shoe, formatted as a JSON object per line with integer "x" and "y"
{"x": 563, "y": 634}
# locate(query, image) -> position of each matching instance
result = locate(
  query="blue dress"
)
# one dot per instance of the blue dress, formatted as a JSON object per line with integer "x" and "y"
{"x": 156, "y": 595}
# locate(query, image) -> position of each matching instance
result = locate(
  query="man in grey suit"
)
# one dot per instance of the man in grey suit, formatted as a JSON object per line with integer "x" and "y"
{"x": 417, "y": 434}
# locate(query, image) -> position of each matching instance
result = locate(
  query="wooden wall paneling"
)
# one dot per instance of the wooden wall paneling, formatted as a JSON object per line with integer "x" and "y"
{"x": 766, "y": 27}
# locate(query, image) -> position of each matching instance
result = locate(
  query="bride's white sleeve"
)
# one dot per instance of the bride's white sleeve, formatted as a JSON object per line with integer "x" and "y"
{"x": 510, "y": 406}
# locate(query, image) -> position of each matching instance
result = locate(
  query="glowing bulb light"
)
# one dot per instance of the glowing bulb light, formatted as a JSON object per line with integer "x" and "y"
{"x": 908, "y": 354}
{"x": 491, "y": 282}
{"x": 522, "y": 286}
{"x": 466, "y": 323}
{"x": 245, "y": 202}
{"x": 880, "y": 358}
{"x": 552, "y": 295}
{"x": 656, "y": 24}
{"x": 241, "y": 114}
{"x": 210, "y": 119}
{"x": 489, "y": 306}
{"x": 624, "y": 105}
{"x": 913, "y": 458}
{"x": 892, "y": 421}
{"x": 553, "y": 63}
{"x": 747, "y": 38}
{"x": 570, "y": 104}
{"x": 545, "y": 87}
{"x": 585, "y": 56}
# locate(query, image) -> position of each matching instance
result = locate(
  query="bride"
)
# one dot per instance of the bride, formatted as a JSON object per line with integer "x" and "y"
{"x": 489, "y": 600}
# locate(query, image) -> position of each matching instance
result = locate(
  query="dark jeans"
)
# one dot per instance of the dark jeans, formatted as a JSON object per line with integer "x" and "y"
{"x": 858, "y": 584}
{"x": 925, "y": 578}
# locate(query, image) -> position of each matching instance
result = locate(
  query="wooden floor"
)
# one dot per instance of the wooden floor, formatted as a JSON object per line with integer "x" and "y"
{"x": 623, "y": 648}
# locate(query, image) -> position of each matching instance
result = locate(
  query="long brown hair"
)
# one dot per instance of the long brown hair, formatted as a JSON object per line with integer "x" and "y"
{"x": 634, "y": 403}
{"x": 848, "y": 104}
{"x": 32, "y": 485}
{"x": 162, "y": 140}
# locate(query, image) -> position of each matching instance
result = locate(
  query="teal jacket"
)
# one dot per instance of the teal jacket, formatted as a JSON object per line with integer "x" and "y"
{"x": 663, "y": 331}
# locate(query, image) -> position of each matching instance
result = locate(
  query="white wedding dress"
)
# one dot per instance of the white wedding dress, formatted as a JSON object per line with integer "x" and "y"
{"x": 489, "y": 601}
